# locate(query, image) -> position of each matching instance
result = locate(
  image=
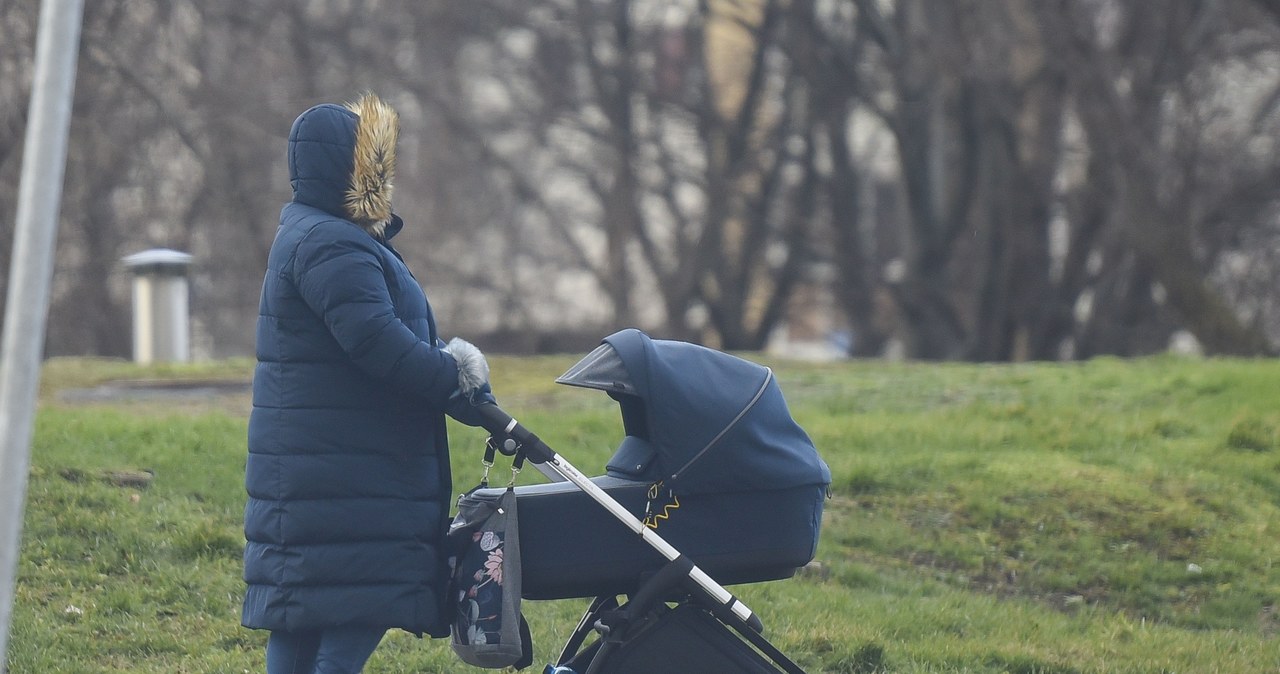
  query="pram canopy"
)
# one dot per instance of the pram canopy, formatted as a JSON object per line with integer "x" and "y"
{"x": 697, "y": 419}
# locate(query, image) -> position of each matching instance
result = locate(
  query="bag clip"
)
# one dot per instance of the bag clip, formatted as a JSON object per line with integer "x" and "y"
{"x": 490, "y": 453}
{"x": 672, "y": 502}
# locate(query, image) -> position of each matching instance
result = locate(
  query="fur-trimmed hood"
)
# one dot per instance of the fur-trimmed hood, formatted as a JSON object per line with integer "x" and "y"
{"x": 342, "y": 160}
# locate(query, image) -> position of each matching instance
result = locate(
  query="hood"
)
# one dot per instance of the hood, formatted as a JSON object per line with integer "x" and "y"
{"x": 709, "y": 422}
{"x": 342, "y": 160}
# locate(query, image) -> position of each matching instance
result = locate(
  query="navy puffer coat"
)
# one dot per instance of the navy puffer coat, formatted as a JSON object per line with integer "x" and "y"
{"x": 348, "y": 468}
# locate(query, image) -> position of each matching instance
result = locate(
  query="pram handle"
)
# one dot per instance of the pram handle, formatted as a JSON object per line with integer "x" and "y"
{"x": 500, "y": 424}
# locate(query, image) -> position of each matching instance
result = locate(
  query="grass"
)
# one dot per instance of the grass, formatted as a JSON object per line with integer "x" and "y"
{"x": 1106, "y": 516}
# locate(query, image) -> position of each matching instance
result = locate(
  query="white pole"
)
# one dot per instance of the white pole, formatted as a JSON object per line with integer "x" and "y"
{"x": 44, "y": 158}
{"x": 144, "y": 350}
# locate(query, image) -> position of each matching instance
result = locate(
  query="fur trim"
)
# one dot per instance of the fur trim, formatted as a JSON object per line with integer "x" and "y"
{"x": 473, "y": 369}
{"x": 368, "y": 200}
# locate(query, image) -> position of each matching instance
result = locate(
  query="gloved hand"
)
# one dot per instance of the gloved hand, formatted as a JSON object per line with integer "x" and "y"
{"x": 473, "y": 382}
{"x": 463, "y": 406}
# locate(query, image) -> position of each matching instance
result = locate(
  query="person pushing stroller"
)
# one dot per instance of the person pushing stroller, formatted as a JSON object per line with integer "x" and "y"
{"x": 348, "y": 477}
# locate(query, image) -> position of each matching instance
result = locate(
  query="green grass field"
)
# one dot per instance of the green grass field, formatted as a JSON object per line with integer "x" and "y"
{"x": 1108, "y": 516}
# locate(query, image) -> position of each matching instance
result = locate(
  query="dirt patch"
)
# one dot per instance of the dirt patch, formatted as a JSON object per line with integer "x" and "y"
{"x": 232, "y": 396}
{"x": 155, "y": 389}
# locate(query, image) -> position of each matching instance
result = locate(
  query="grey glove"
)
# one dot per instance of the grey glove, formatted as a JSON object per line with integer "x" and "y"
{"x": 473, "y": 382}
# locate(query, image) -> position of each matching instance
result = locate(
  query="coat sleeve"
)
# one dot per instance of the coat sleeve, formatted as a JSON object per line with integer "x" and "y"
{"x": 338, "y": 274}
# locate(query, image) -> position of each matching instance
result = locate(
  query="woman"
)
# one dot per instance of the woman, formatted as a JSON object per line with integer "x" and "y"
{"x": 348, "y": 468}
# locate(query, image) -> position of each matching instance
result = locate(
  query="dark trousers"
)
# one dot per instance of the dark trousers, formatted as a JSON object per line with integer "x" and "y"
{"x": 337, "y": 650}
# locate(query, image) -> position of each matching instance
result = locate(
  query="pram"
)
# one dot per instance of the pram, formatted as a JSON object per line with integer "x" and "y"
{"x": 713, "y": 484}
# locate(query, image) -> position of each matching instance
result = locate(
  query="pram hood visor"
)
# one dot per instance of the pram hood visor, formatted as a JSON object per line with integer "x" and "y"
{"x": 601, "y": 369}
{"x": 717, "y": 423}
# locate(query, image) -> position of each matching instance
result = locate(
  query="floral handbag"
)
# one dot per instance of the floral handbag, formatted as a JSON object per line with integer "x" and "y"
{"x": 488, "y": 629}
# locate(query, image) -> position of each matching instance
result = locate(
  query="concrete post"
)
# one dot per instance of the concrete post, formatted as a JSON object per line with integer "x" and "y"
{"x": 161, "y": 321}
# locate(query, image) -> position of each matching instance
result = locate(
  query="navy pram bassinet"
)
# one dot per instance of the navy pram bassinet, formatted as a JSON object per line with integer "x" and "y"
{"x": 711, "y": 455}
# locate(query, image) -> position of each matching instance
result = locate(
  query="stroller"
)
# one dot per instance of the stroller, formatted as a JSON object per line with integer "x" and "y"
{"x": 713, "y": 484}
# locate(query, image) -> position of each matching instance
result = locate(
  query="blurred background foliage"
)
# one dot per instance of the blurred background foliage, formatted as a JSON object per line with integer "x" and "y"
{"x": 988, "y": 180}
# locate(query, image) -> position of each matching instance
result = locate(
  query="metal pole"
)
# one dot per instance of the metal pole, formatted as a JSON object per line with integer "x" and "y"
{"x": 44, "y": 158}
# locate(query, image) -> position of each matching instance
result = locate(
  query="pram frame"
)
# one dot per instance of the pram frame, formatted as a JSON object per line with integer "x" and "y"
{"x": 605, "y": 615}
{"x": 679, "y": 570}
{"x": 537, "y": 451}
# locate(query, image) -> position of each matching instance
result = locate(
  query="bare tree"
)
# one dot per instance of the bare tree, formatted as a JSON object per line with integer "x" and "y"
{"x": 608, "y": 126}
{"x": 973, "y": 107}
{"x": 991, "y": 180}
{"x": 1144, "y": 86}
{"x": 1030, "y": 147}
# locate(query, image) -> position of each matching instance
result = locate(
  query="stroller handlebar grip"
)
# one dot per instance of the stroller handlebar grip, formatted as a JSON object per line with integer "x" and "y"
{"x": 754, "y": 623}
{"x": 501, "y": 424}
{"x": 493, "y": 418}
